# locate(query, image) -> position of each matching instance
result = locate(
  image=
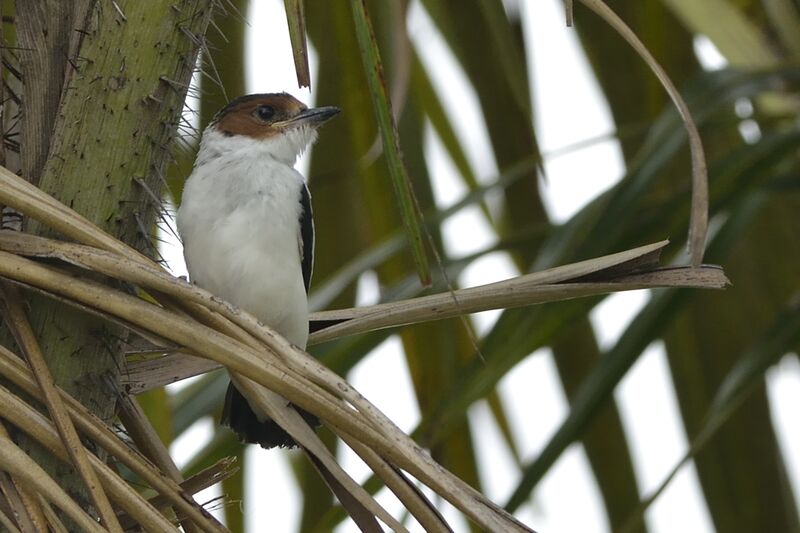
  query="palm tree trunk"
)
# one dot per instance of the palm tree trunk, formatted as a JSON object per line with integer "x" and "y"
{"x": 104, "y": 89}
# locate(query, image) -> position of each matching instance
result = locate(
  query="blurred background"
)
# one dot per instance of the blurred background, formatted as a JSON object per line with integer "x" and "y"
{"x": 531, "y": 145}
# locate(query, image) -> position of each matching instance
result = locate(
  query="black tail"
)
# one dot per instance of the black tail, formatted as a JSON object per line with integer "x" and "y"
{"x": 237, "y": 415}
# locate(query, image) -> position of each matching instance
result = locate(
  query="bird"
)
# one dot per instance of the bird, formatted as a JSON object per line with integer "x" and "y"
{"x": 247, "y": 228}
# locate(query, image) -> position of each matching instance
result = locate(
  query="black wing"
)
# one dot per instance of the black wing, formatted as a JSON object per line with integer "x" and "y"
{"x": 306, "y": 235}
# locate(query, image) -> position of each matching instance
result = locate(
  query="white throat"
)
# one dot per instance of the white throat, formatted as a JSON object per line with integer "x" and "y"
{"x": 284, "y": 148}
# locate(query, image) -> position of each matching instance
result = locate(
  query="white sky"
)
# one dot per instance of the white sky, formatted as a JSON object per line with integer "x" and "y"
{"x": 569, "y": 108}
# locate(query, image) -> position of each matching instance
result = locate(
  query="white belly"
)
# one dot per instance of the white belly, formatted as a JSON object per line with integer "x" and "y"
{"x": 239, "y": 221}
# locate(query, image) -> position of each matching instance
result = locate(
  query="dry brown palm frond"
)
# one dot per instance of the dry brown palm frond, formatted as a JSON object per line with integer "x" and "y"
{"x": 11, "y": 304}
{"x": 201, "y": 324}
{"x": 13, "y": 370}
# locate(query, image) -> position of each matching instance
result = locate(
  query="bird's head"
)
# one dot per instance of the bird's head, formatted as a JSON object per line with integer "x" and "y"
{"x": 280, "y": 123}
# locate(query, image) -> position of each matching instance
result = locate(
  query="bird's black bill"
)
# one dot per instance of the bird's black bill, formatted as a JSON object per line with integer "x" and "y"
{"x": 317, "y": 115}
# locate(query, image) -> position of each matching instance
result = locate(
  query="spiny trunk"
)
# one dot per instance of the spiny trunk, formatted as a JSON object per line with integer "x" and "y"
{"x": 104, "y": 88}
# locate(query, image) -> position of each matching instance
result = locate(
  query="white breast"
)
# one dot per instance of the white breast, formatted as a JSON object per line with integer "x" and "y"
{"x": 239, "y": 221}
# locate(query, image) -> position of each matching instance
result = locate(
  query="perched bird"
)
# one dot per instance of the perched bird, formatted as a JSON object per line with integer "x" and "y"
{"x": 247, "y": 229}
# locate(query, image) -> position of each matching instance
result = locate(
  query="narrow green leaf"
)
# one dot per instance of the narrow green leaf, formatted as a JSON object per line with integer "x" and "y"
{"x": 509, "y": 122}
{"x": 233, "y": 490}
{"x": 202, "y": 398}
{"x": 742, "y": 380}
{"x": 297, "y": 33}
{"x": 597, "y": 389}
{"x": 412, "y": 218}
{"x": 736, "y": 37}
{"x": 508, "y": 53}
{"x": 434, "y": 111}
{"x": 152, "y": 403}
{"x": 785, "y": 16}
{"x": 576, "y": 354}
{"x": 512, "y": 339}
{"x": 500, "y": 414}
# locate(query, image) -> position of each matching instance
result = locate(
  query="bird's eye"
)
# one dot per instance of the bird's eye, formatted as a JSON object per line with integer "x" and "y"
{"x": 265, "y": 112}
